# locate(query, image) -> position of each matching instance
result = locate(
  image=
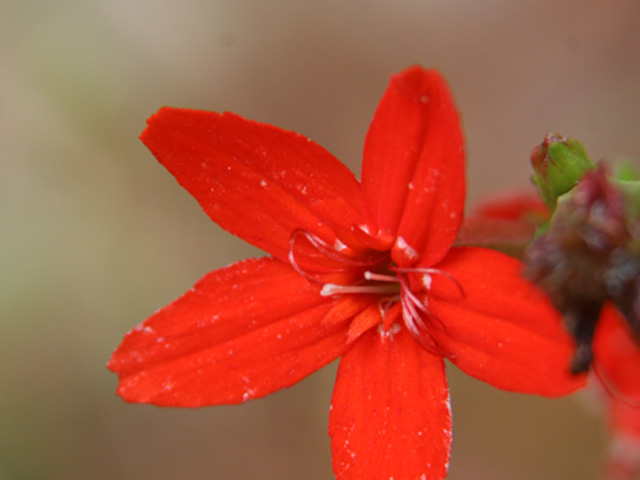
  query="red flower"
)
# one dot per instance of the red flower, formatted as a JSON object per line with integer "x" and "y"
{"x": 505, "y": 220}
{"x": 366, "y": 271}
{"x": 617, "y": 363}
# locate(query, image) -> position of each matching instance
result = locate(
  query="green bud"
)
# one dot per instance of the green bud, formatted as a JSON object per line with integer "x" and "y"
{"x": 558, "y": 163}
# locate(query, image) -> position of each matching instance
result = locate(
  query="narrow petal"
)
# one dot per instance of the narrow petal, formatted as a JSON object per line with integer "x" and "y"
{"x": 257, "y": 181}
{"x": 347, "y": 307}
{"x": 413, "y": 167}
{"x": 498, "y": 327}
{"x": 617, "y": 357}
{"x": 241, "y": 332}
{"x": 390, "y": 414}
{"x": 368, "y": 318}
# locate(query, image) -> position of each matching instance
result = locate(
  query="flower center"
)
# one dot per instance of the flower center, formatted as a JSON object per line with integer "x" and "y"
{"x": 375, "y": 274}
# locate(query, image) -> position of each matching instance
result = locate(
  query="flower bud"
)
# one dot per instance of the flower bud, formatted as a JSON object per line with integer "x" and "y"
{"x": 587, "y": 257}
{"x": 558, "y": 163}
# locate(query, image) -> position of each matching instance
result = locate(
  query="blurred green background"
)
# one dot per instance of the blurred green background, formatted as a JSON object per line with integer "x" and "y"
{"x": 95, "y": 235}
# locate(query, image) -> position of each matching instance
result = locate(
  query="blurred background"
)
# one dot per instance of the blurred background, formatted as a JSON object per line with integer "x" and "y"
{"x": 95, "y": 235}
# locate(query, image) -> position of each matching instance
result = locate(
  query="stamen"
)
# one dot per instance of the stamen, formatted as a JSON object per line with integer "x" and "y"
{"x": 414, "y": 312}
{"x": 431, "y": 271}
{"x": 415, "y": 301}
{"x": 332, "y": 253}
{"x": 418, "y": 329}
{"x": 329, "y": 289}
{"x": 420, "y": 332}
{"x": 327, "y": 250}
{"x": 378, "y": 277}
{"x": 295, "y": 266}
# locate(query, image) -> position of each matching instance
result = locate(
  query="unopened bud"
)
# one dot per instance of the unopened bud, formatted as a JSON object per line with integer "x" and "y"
{"x": 559, "y": 163}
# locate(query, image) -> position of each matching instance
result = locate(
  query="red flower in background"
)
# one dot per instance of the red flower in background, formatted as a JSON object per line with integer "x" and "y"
{"x": 365, "y": 271}
{"x": 617, "y": 366}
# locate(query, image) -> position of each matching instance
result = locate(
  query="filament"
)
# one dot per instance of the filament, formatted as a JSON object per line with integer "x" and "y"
{"x": 431, "y": 271}
{"x": 329, "y": 252}
{"x": 329, "y": 289}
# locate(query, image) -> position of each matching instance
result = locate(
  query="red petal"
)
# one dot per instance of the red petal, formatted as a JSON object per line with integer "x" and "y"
{"x": 347, "y": 307}
{"x": 242, "y": 332}
{"x": 498, "y": 327}
{"x": 617, "y": 357}
{"x": 390, "y": 414}
{"x": 506, "y": 219}
{"x": 516, "y": 205}
{"x": 257, "y": 181}
{"x": 363, "y": 321}
{"x": 493, "y": 231}
{"x": 413, "y": 168}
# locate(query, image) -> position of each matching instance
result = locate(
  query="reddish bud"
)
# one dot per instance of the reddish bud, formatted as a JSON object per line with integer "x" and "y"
{"x": 585, "y": 258}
